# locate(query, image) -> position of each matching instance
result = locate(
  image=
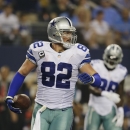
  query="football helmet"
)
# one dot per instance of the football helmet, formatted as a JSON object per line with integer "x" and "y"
{"x": 56, "y": 29}
{"x": 112, "y": 56}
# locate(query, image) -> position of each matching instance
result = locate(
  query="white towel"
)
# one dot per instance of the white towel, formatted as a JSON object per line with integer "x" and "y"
{"x": 36, "y": 125}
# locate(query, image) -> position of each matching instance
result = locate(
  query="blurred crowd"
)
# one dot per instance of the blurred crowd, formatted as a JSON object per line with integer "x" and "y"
{"x": 99, "y": 23}
{"x": 8, "y": 119}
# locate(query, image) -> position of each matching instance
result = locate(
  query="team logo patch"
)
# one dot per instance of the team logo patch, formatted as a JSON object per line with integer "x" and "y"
{"x": 41, "y": 54}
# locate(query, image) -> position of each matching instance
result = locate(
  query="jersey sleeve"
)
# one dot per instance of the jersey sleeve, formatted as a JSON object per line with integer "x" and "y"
{"x": 35, "y": 52}
{"x": 83, "y": 55}
{"x": 121, "y": 72}
{"x": 86, "y": 59}
{"x": 124, "y": 72}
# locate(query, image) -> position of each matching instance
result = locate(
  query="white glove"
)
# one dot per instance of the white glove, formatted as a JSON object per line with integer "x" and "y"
{"x": 112, "y": 96}
{"x": 119, "y": 118}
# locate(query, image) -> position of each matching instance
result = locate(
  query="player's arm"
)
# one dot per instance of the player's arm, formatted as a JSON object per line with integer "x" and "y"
{"x": 110, "y": 95}
{"x": 89, "y": 75}
{"x": 120, "y": 91}
{"x": 119, "y": 118}
{"x": 19, "y": 77}
{"x": 17, "y": 82}
{"x": 26, "y": 67}
{"x": 87, "y": 72}
{"x": 95, "y": 91}
{"x": 87, "y": 68}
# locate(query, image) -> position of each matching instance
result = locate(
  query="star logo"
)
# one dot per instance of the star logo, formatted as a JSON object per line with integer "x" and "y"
{"x": 53, "y": 23}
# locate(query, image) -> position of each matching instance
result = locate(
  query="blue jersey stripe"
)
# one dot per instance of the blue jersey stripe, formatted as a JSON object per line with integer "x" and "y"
{"x": 87, "y": 56}
{"x": 30, "y": 51}
{"x": 30, "y": 57}
{"x": 86, "y": 61}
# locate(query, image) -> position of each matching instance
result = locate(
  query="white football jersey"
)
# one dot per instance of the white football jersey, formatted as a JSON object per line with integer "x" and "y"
{"x": 57, "y": 72}
{"x": 109, "y": 82}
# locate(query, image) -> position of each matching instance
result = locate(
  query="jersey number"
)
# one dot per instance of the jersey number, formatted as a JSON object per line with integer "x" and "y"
{"x": 82, "y": 47}
{"x": 112, "y": 86}
{"x": 61, "y": 80}
{"x": 37, "y": 44}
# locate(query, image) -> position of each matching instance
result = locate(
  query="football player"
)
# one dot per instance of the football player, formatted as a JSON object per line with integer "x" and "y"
{"x": 57, "y": 64}
{"x": 107, "y": 110}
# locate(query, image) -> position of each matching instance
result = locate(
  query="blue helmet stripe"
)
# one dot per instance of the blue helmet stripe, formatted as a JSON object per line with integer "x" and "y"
{"x": 69, "y": 21}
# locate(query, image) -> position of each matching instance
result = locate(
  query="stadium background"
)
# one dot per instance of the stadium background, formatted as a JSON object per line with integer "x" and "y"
{"x": 28, "y": 23}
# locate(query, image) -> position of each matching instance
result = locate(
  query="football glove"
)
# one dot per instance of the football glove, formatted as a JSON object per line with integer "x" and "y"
{"x": 10, "y": 103}
{"x": 119, "y": 118}
{"x": 85, "y": 78}
{"x": 112, "y": 96}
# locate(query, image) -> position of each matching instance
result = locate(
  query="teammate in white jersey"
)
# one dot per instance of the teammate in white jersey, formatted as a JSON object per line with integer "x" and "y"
{"x": 57, "y": 63}
{"x": 104, "y": 107}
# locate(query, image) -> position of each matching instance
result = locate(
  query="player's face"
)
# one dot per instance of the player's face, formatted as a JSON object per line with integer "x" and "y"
{"x": 67, "y": 36}
{"x": 112, "y": 61}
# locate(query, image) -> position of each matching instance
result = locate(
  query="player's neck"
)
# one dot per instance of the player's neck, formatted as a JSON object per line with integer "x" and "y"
{"x": 57, "y": 47}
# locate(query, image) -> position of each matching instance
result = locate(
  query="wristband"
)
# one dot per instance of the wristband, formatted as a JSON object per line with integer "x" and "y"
{"x": 15, "y": 84}
{"x": 96, "y": 80}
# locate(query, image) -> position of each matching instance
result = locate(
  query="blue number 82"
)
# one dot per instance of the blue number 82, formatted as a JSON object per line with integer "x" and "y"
{"x": 61, "y": 80}
{"x": 82, "y": 47}
{"x": 108, "y": 85}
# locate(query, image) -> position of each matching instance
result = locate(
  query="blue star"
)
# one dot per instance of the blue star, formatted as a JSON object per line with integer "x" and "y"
{"x": 53, "y": 23}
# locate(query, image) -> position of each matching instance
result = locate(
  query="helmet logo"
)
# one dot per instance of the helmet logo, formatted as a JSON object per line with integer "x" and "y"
{"x": 57, "y": 27}
{"x": 53, "y": 23}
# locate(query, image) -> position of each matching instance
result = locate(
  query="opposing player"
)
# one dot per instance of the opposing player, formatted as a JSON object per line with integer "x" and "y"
{"x": 105, "y": 108}
{"x": 57, "y": 63}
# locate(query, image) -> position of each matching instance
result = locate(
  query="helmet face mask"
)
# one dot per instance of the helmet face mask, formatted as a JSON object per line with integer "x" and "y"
{"x": 68, "y": 37}
{"x": 60, "y": 30}
{"x": 112, "y": 56}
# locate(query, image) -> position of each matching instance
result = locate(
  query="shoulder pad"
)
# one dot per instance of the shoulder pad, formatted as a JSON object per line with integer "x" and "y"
{"x": 35, "y": 50}
{"x": 37, "y": 45}
{"x": 123, "y": 70}
{"x": 96, "y": 61}
{"x": 83, "y": 54}
{"x": 97, "y": 64}
{"x": 81, "y": 49}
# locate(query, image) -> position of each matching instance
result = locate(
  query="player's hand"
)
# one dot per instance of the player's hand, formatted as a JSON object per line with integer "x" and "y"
{"x": 112, "y": 96}
{"x": 10, "y": 103}
{"x": 119, "y": 118}
{"x": 85, "y": 78}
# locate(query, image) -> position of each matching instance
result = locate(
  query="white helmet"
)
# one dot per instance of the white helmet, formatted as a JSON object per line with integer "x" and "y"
{"x": 57, "y": 27}
{"x": 112, "y": 56}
